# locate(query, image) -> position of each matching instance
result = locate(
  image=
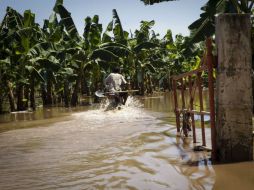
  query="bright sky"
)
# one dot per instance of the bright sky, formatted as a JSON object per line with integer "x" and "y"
{"x": 176, "y": 16}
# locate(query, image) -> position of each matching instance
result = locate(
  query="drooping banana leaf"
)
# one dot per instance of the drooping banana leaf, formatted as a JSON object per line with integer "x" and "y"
{"x": 110, "y": 26}
{"x": 67, "y": 20}
{"x": 4, "y": 62}
{"x": 50, "y": 63}
{"x": 205, "y": 25}
{"x": 36, "y": 73}
{"x": 119, "y": 51}
{"x": 145, "y": 45}
{"x": 39, "y": 48}
{"x": 67, "y": 71}
{"x": 168, "y": 37}
{"x": 118, "y": 29}
{"x": 92, "y": 32}
{"x": 29, "y": 18}
{"x": 88, "y": 22}
{"x": 103, "y": 55}
{"x": 149, "y": 67}
{"x": 56, "y": 35}
{"x": 106, "y": 37}
{"x": 58, "y": 2}
{"x": 14, "y": 19}
{"x": 116, "y": 48}
{"x": 95, "y": 34}
{"x": 103, "y": 45}
{"x": 158, "y": 63}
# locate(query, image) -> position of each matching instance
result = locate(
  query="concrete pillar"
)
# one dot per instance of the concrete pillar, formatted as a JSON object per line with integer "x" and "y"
{"x": 234, "y": 88}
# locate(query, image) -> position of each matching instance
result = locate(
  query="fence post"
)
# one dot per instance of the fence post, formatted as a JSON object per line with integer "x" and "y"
{"x": 192, "y": 114}
{"x": 176, "y": 107}
{"x": 201, "y": 108}
{"x": 182, "y": 93}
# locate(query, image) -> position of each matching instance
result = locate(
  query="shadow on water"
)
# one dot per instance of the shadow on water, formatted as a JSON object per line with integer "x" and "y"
{"x": 131, "y": 148}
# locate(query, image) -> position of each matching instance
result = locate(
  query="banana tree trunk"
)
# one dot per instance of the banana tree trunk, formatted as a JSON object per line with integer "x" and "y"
{"x": 96, "y": 99}
{"x": 66, "y": 94}
{"x": 82, "y": 83}
{"x": 60, "y": 98}
{"x": 169, "y": 82}
{"x": 32, "y": 98}
{"x": 26, "y": 95}
{"x": 74, "y": 97}
{"x": 88, "y": 87}
{"x": 58, "y": 95}
{"x": 49, "y": 93}
{"x": 150, "y": 85}
{"x": 43, "y": 94}
{"x": 1, "y": 101}
{"x": 1, "y": 105}
{"x": 20, "y": 97}
{"x": 136, "y": 82}
{"x": 142, "y": 85}
{"x": 10, "y": 96}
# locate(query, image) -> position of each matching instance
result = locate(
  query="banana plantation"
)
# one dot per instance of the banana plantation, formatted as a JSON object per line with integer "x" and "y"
{"x": 54, "y": 65}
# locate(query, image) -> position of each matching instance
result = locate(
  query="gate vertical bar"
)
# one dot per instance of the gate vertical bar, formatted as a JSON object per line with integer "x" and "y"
{"x": 176, "y": 107}
{"x": 211, "y": 96}
{"x": 192, "y": 114}
{"x": 201, "y": 108}
{"x": 182, "y": 93}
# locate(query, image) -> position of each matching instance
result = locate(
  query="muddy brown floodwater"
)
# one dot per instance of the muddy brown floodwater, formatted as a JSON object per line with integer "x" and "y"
{"x": 132, "y": 148}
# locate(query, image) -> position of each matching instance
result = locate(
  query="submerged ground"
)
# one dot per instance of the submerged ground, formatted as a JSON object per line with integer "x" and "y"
{"x": 132, "y": 148}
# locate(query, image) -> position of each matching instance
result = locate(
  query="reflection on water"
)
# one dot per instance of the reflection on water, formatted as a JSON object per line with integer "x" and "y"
{"x": 131, "y": 148}
{"x": 26, "y": 119}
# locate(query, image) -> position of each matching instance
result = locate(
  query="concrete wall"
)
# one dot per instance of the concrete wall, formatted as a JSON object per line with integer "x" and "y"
{"x": 234, "y": 88}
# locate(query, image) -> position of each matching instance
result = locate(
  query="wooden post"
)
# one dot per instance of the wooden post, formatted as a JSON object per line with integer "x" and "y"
{"x": 176, "y": 107}
{"x": 192, "y": 114}
{"x": 182, "y": 93}
{"x": 201, "y": 108}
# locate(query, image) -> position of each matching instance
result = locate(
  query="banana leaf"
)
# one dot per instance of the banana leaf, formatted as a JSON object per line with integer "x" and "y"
{"x": 36, "y": 73}
{"x": 145, "y": 45}
{"x": 67, "y": 20}
{"x": 104, "y": 54}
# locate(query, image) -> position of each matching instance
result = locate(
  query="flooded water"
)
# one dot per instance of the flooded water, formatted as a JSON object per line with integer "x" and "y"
{"x": 132, "y": 148}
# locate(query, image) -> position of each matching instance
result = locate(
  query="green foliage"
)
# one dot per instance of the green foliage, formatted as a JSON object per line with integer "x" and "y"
{"x": 67, "y": 21}
{"x": 104, "y": 54}
{"x": 144, "y": 45}
{"x": 58, "y": 2}
{"x": 55, "y": 61}
{"x": 205, "y": 25}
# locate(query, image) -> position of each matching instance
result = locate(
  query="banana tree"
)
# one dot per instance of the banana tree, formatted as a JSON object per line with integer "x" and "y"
{"x": 87, "y": 56}
{"x": 114, "y": 50}
{"x": 22, "y": 34}
{"x": 141, "y": 46}
{"x": 92, "y": 40}
{"x": 115, "y": 26}
{"x": 71, "y": 54}
{"x": 7, "y": 76}
{"x": 11, "y": 22}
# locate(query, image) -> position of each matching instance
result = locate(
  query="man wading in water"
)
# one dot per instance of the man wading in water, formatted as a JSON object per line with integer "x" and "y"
{"x": 114, "y": 83}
